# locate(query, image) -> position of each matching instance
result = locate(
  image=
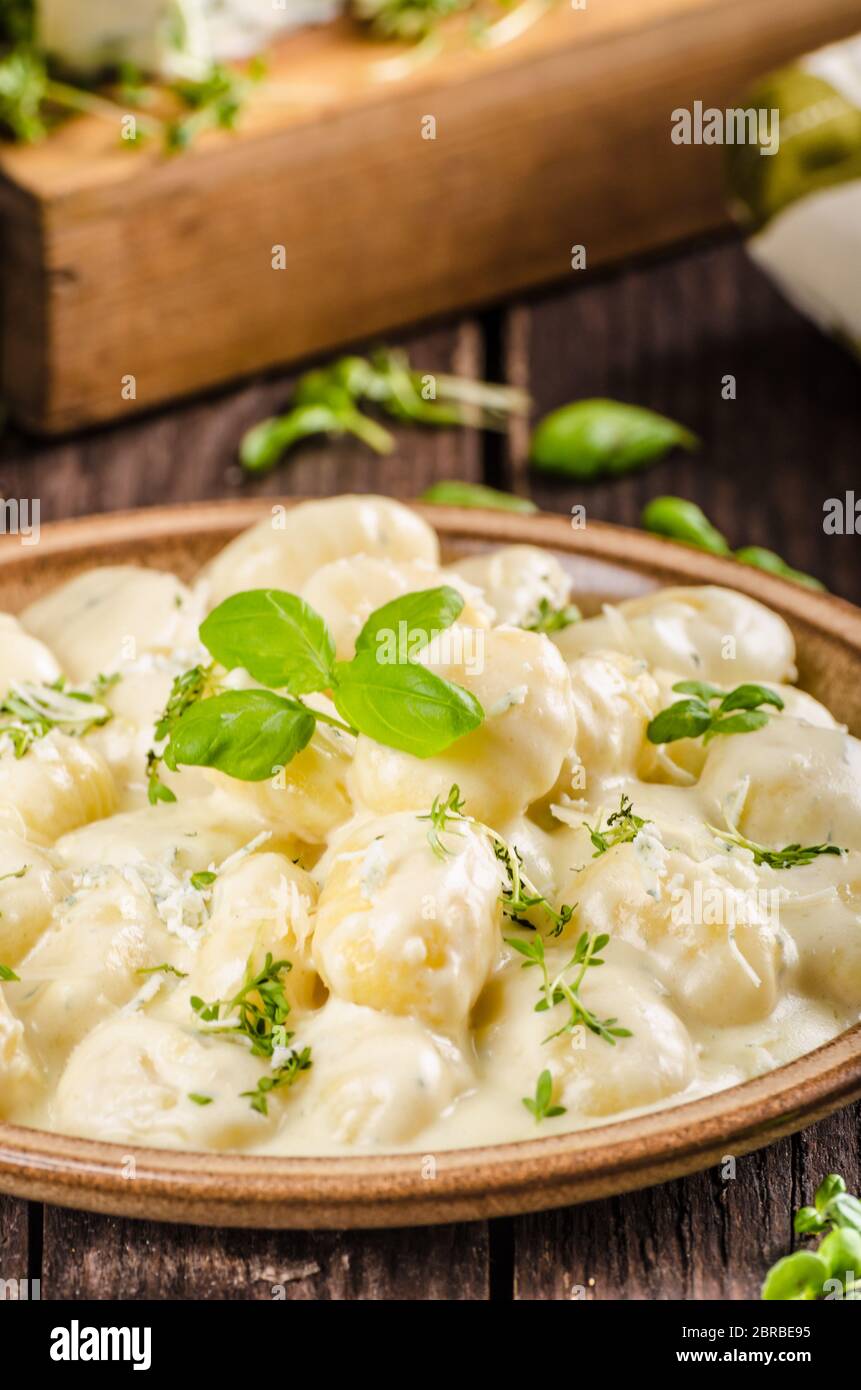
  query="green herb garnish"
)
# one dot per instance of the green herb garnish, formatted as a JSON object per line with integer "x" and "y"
{"x": 382, "y": 692}
{"x": 595, "y": 438}
{"x": 790, "y": 857}
{"x": 736, "y": 712}
{"x": 186, "y": 690}
{"x": 199, "y": 1099}
{"x": 258, "y": 1014}
{"x": 449, "y": 493}
{"x": 16, "y": 873}
{"x": 203, "y": 879}
{"x": 622, "y": 827}
{"x": 550, "y": 619}
{"x": 284, "y": 1075}
{"x": 541, "y": 1106}
{"x": 519, "y": 895}
{"x": 7, "y": 974}
{"x": 681, "y": 520}
{"x": 31, "y": 711}
{"x": 833, "y": 1270}
{"x": 562, "y": 990}
{"x": 327, "y": 401}
{"x": 164, "y": 969}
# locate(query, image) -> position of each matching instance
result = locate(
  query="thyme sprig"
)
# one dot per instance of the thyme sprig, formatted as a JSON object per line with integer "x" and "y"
{"x": 561, "y": 988}
{"x": 258, "y": 1014}
{"x": 519, "y": 894}
{"x": 30, "y": 711}
{"x": 622, "y": 827}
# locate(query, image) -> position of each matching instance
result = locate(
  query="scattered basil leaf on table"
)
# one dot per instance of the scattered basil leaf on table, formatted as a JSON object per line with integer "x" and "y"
{"x": 762, "y": 559}
{"x": 327, "y": 399}
{"x": 681, "y": 520}
{"x": 455, "y": 494}
{"x": 684, "y": 521}
{"x": 596, "y": 438}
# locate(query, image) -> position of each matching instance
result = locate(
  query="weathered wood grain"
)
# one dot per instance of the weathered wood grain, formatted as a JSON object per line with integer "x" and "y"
{"x": 189, "y": 452}
{"x": 103, "y": 1257}
{"x": 664, "y": 334}
{"x": 14, "y": 1240}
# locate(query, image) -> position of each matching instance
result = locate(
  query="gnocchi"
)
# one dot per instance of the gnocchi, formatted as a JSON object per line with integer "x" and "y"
{"x": 554, "y": 921}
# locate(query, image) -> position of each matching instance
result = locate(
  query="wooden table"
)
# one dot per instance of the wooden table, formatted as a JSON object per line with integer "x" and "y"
{"x": 662, "y": 334}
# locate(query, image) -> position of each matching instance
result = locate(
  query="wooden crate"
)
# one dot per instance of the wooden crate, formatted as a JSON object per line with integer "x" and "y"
{"x": 124, "y": 264}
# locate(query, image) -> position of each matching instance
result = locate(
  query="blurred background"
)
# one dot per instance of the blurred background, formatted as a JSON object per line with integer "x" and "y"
{"x": 652, "y": 204}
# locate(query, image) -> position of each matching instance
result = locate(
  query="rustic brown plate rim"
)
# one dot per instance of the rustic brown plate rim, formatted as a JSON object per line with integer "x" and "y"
{"x": 524, "y": 1175}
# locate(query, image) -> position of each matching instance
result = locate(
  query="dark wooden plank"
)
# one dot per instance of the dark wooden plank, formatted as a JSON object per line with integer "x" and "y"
{"x": 14, "y": 1241}
{"x": 702, "y": 1237}
{"x": 664, "y": 334}
{"x": 102, "y": 1257}
{"x": 189, "y": 452}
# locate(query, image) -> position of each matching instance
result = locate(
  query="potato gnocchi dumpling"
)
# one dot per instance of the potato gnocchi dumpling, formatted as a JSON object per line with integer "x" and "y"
{"x": 511, "y": 760}
{"x": 106, "y": 616}
{"x": 137, "y": 1080}
{"x": 285, "y": 549}
{"x": 30, "y": 889}
{"x": 347, "y": 591}
{"x": 520, "y": 582}
{"x": 262, "y": 904}
{"x": 350, "y": 948}
{"x": 62, "y": 783}
{"x": 590, "y": 1077}
{"x": 407, "y": 931}
{"x": 708, "y": 634}
{"x": 22, "y": 657}
{"x": 377, "y": 1080}
{"x": 784, "y": 775}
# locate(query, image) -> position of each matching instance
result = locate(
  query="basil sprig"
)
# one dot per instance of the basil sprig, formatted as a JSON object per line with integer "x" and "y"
{"x": 834, "y": 1269}
{"x": 283, "y": 643}
{"x": 709, "y": 711}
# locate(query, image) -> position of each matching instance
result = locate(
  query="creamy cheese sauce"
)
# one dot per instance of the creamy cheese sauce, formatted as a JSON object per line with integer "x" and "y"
{"x": 409, "y": 986}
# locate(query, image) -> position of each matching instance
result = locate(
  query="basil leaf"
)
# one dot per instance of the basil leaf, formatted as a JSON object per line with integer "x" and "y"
{"x": 450, "y": 493}
{"x": 749, "y": 697}
{"x": 744, "y": 722}
{"x": 275, "y": 636}
{"x": 845, "y": 1211}
{"x": 594, "y": 437}
{"x": 762, "y": 559}
{"x": 841, "y": 1251}
{"x": 262, "y": 446}
{"x": 404, "y": 706}
{"x": 683, "y": 521}
{"x": 701, "y": 689}
{"x": 248, "y": 734}
{"x": 797, "y": 1277}
{"x": 684, "y": 719}
{"x": 423, "y": 613}
{"x": 831, "y": 1186}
